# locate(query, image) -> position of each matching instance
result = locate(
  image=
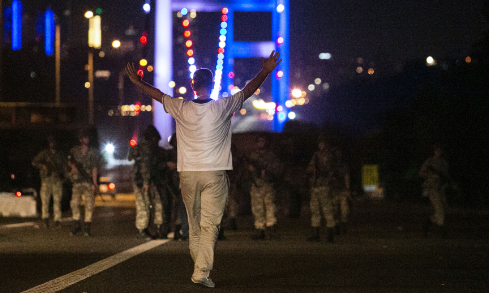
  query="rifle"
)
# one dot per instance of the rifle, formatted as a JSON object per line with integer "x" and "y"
{"x": 81, "y": 171}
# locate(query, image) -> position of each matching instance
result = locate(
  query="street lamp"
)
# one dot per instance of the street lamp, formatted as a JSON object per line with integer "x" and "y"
{"x": 94, "y": 42}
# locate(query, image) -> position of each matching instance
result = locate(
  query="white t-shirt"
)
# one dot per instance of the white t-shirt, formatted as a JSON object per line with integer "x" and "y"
{"x": 203, "y": 132}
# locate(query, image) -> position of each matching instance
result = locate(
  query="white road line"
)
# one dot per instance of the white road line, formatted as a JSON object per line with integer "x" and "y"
{"x": 93, "y": 269}
{"x": 26, "y": 224}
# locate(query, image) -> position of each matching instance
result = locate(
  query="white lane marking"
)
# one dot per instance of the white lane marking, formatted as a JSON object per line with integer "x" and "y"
{"x": 93, "y": 269}
{"x": 26, "y": 224}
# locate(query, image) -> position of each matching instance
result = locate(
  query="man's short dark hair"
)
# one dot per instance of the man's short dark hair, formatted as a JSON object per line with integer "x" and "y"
{"x": 203, "y": 79}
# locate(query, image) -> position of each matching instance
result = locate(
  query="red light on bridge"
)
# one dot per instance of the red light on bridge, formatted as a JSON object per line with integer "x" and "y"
{"x": 133, "y": 143}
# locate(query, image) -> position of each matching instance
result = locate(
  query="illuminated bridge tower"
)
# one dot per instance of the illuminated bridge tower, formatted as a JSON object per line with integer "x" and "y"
{"x": 234, "y": 49}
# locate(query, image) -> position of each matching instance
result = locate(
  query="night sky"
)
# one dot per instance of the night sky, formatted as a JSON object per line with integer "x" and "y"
{"x": 400, "y": 29}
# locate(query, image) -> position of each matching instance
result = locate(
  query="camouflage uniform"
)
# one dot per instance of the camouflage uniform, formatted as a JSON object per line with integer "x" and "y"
{"x": 436, "y": 179}
{"x": 82, "y": 186}
{"x": 151, "y": 164}
{"x": 262, "y": 191}
{"x": 341, "y": 191}
{"x": 51, "y": 180}
{"x": 321, "y": 168}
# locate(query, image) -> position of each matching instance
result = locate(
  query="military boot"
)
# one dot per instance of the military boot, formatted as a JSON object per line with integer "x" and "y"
{"x": 144, "y": 234}
{"x": 45, "y": 223}
{"x": 232, "y": 224}
{"x": 87, "y": 231}
{"x": 176, "y": 233}
{"x": 161, "y": 232}
{"x": 76, "y": 227}
{"x": 330, "y": 234}
{"x": 221, "y": 236}
{"x": 259, "y": 234}
{"x": 315, "y": 235}
{"x": 272, "y": 232}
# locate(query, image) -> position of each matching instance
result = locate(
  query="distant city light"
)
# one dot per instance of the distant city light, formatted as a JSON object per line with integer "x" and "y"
{"x": 150, "y": 68}
{"x": 289, "y": 104}
{"x": 16, "y": 25}
{"x": 325, "y": 86}
{"x": 185, "y": 23}
{"x": 292, "y": 115}
{"x": 468, "y": 59}
{"x": 296, "y": 93}
{"x": 191, "y": 60}
{"x": 133, "y": 143}
{"x": 186, "y": 34}
{"x": 231, "y": 74}
{"x": 311, "y": 87}
{"x": 147, "y": 8}
{"x": 280, "y": 74}
{"x": 184, "y": 11}
{"x": 430, "y": 61}
{"x": 89, "y": 14}
{"x": 188, "y": 44}
{"x": 325, "y": 56}
{"x": 280, "y": 8}
{"x": 370, "y": 71}
{"x": 359, "y": 69}
{"x": 280, "y": 40}
{"x": 190, "y": 53}
{"x": 317, "y": 81}
{"x": 225, "y": 10}
{"x": 171, "y": 84}
{"x": 109, "y": 148}
{"x": 193, "y": 13}
{"x": 242, "y": 111}
{"x": 116, "y": 44}
{"x": 280, "y": 108}
{"x": 87, "y": 85}
{"x": 282, "y": 116}
{"x": 143, "y": 62}
{"x": 49, "y": 33}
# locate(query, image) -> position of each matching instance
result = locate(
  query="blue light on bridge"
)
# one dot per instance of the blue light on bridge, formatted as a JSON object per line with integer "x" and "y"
{"x": 16, "y": 25}
{"x": 49, "y": 32}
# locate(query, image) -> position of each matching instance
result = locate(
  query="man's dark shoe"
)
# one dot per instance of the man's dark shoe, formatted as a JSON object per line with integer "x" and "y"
{"x": 259, "y": 234}
{"x": 87, "y": 231}
{"x": 76, "y": 227}
{"x": 144, "y": 234}
{"x": 207, "y": 282}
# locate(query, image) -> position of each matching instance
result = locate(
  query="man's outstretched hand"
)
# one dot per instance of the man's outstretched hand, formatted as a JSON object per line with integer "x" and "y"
{"x": 132, "y": 73}
{"x": 270, "y": 64}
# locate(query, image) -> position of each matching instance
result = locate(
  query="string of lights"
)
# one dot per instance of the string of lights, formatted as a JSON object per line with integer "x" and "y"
{"x": 220, "y": 55}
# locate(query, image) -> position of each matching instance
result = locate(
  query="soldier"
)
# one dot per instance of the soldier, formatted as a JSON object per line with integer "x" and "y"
{"x": 265, "y": 168}
{"x": 179, "y": 213}
{"x": 52, "y": 168}
{"x": 83, "y": 162}
{"x": 149, "y": 184}
{"x": 341, "y": 191}
{"x": 434, "y": 171}
{"x": 320, "y": 169}
{"x": 231, "y": 210}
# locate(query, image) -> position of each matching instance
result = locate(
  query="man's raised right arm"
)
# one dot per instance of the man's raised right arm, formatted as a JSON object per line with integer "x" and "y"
{"x": 148, "y": 89}
{"x": 267, "y": 67}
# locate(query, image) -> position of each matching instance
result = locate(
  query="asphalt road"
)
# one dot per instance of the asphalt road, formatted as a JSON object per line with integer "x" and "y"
{"x": 383, "y": 251}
